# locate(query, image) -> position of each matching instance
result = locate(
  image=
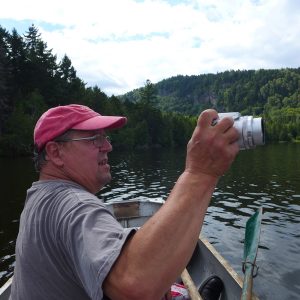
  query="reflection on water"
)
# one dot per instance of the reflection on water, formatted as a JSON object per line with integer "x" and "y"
{"x": 268, "y": 176}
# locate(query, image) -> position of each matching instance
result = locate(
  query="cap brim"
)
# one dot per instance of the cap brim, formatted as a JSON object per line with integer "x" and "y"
{"x": 101, "y": 122}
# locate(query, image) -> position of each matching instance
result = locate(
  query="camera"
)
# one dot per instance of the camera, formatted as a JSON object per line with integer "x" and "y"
{"x": 251, "y": 130}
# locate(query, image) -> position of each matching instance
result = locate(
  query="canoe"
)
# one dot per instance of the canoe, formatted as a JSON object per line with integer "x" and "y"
{"x": 205, "y": 262}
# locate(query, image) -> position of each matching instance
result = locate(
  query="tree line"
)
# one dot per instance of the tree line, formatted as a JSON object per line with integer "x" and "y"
{"x": 32, "y": 80}
{"x": 272, "y": 94}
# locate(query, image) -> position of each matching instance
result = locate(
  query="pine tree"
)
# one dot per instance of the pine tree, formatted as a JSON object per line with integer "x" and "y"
{"x": 65, "y": 70}
{"x": 148, "y": 93}
{"x": 17, "y": 56}
{"x": 4, "y": 79}
{"x": 41, "y": 65}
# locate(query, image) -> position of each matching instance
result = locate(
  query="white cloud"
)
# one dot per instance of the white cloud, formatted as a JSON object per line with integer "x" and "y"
{"x": 118, "y": 44}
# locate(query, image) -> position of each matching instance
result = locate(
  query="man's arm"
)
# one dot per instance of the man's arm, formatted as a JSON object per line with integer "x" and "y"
{"x": 154, "y": 257}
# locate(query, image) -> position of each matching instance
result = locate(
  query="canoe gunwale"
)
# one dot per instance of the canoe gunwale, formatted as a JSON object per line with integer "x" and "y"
{"x": 5, "y": 289}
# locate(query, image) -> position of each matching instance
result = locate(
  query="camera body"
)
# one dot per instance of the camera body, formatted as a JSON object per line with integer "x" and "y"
{"x": 251, "y": 129}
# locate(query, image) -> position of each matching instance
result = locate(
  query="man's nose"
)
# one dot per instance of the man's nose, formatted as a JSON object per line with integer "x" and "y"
{"x": 106, "y": 147}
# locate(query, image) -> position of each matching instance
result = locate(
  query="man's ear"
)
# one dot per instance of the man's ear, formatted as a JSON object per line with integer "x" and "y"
{"x": 53, "y": 153}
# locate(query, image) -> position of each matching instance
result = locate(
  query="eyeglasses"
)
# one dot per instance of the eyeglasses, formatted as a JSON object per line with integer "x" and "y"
{"x": 98, "y": 140}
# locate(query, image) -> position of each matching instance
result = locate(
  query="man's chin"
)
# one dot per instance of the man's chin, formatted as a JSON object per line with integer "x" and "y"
{"x": 104, "y": 182}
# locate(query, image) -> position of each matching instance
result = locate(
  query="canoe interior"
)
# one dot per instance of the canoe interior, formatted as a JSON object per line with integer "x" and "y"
{"x": 205, "y": 262}
{"x": 134, "y": 213}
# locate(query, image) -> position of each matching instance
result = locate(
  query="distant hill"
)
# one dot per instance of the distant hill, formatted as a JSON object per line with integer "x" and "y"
{"x": 248, "y": 91}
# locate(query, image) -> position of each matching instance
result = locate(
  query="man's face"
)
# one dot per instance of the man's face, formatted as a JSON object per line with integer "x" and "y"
{"x": 86, "y": 163}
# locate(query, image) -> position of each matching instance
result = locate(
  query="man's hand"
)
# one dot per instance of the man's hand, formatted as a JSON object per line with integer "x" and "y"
{"x": 212, "y": 148}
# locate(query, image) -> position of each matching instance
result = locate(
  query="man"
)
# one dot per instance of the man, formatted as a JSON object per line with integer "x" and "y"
{"x": 69, "y": 245}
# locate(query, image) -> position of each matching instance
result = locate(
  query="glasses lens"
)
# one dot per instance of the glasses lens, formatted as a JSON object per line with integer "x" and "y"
{"x": 100, "y": 139}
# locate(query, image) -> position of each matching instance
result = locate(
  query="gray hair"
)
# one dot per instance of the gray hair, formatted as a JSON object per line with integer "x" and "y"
{"x": 39, "y": 157}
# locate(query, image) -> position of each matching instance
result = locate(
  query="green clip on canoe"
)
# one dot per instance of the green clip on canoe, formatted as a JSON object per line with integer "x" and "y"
{"x": 250, "y": 250}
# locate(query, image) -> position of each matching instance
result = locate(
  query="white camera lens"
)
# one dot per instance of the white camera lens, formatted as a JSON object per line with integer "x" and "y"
{"x": 251, "y": 130}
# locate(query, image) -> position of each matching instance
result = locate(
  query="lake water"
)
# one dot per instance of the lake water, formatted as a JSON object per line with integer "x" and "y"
{"x": 268, "y": 176}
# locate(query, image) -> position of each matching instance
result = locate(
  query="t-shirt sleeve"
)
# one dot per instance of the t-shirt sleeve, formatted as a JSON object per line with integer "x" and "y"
{"x": 92, "y": 239}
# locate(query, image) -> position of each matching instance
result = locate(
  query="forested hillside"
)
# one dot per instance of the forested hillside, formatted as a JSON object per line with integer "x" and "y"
{"x": 160, "y": 115}
{"x": 273, "y": 94}
{"x": 32, "y": 80}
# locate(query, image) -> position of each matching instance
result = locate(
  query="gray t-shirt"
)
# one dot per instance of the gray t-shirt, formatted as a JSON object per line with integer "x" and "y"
{"x": 67, "y": 243}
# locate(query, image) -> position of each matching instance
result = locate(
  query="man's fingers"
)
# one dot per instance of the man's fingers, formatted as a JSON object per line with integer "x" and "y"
{"x": 225, "y": 124}
{"x": 207, "y": 117}
{"x": 232, "y": 134}
{"x": 234, "y": 149}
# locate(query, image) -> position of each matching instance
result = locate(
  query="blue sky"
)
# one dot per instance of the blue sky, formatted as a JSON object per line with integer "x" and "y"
{"x": 119, "y": 44}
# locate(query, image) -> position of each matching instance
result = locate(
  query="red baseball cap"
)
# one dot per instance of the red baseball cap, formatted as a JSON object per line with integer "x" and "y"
{"x": 58, "y": 120}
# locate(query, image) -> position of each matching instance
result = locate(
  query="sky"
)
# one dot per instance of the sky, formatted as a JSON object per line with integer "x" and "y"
{"x": 119, "y": 44}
